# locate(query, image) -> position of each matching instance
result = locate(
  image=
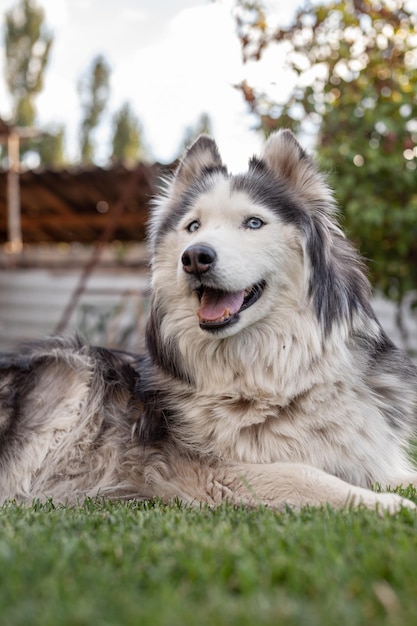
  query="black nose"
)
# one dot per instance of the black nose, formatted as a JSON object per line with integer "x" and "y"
{"x": 198, "y": 259}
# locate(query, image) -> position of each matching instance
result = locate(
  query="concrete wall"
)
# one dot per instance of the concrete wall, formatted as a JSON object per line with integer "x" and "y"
{"x": 111, "y": 311}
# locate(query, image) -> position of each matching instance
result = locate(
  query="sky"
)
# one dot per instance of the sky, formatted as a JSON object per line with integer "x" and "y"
{"x": 170, "y": 59}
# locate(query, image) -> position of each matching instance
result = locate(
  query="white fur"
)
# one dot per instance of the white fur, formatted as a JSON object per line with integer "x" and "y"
{"x": 278, "y": 408}
{"x": 272, "y": 387}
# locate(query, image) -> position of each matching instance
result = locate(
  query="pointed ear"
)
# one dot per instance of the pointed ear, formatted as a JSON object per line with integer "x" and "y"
{"x": 286, "y": 159}
{"x": 202, "y": 155}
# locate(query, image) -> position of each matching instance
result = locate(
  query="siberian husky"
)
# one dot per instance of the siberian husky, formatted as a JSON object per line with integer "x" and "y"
{"x": 267, "y": 378}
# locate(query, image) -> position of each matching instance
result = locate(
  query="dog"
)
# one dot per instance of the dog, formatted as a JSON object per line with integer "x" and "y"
{"x": 267, "y": 379}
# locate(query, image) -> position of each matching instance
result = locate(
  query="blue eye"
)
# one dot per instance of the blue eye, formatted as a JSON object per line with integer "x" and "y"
{"x": 253, "y": 223}
{"x": 193, "y": 226}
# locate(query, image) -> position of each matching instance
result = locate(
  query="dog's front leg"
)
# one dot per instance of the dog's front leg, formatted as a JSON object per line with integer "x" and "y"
{"x": 276, "y": 485}
{"x": 297, "y": 485}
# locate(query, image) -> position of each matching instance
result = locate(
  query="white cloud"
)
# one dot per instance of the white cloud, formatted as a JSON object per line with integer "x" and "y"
{"x": 170, "y": 69}
{"x": 193, "y": 69}
{"x": 56, "y": 11}
{"x": 134, "y": 15}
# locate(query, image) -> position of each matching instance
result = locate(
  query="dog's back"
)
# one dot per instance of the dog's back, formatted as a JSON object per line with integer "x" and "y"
{"x": 69, "y": 413}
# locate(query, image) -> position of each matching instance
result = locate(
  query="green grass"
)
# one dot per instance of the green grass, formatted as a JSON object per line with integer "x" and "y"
{"x": 138, "y": 564}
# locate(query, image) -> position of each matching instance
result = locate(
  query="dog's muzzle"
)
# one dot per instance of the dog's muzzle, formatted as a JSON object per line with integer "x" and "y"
{"x": 218, "y": 308}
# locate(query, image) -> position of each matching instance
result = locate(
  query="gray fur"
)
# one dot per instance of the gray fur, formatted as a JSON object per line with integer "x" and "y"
{"x": 300, "y": 400}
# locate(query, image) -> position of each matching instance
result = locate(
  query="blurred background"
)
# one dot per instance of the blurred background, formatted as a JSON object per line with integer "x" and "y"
{"x": 98, "y": 100}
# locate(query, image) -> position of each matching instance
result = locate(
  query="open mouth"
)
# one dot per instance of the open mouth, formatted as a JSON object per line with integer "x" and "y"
{"x": 221, "y": 308}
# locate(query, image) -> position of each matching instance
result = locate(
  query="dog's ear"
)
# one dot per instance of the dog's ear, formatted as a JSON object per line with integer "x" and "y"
{"x": 201, "y": 156}
{"x": 283, "y": 155}
{"x": 286, "y": 159}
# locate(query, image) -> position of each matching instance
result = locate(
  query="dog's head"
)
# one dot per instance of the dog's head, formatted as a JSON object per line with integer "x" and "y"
{"x": 227, "y": 251}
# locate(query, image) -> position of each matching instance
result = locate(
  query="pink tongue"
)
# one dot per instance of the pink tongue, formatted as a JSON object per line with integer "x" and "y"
{"x": 217, "y": 304}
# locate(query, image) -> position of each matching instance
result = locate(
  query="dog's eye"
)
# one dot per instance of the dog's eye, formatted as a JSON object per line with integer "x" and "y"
{"x": 253, "y": 222}
{"x": 193, "y": 226}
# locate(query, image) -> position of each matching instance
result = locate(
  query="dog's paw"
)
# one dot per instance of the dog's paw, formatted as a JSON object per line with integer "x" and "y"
{"x": 382, "y": 502}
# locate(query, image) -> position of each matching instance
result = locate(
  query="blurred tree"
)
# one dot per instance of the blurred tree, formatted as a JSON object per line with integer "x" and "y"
{"x": 127, "y": 143}
{"x": 50, "y": 147}
{"x": 27, "y": 48}
{"x": 202, "y": 126}
{"x": 94, "y": 92}
{"x": 354, "y": 64}
{"x": 28, "y": 45}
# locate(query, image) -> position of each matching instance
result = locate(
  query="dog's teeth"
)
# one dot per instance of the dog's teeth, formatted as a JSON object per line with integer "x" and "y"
{"x": 226, "y": 314}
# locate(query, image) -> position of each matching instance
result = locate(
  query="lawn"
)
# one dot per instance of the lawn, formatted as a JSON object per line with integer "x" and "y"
{"x": 149, "y": 563}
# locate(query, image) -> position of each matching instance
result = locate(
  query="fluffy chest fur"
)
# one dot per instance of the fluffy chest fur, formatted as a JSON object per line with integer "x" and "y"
{"x": 279, "y": 390}
{"x": 327, "y": 417}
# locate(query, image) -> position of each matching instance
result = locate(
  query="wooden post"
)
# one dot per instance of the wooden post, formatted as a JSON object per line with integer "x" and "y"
{"x": 13, "y": 194}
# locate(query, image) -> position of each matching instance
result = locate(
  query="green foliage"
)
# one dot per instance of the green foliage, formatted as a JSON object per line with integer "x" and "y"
{"x": 160, "y": 565}
{"x": 354, "y": 64}
{"x": 28, "y": 45}
{"x": 50, "y": 147}
{"x": 127, "y": 142}
{"x": 94, "y": 92}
